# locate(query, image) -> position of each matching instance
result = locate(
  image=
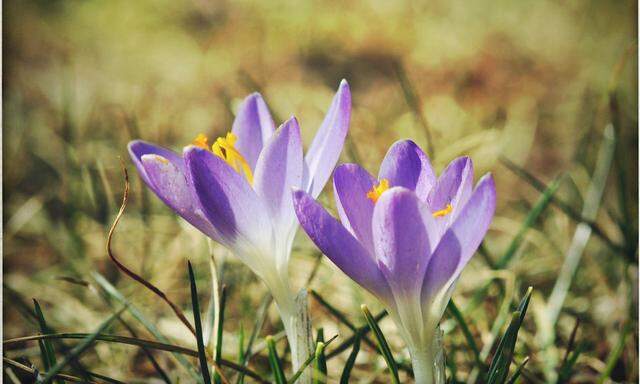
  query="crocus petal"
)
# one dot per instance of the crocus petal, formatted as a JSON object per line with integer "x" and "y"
{"x": 403, "y": 229}
{"x": 339, "y": 245}
{"x": 253, "y": 126}
{"x": 453, "y": 187}
{"x": 279, "y": 169}
{"x": 170, "y": 185}
{"x": 351, "y": 184}
{"x": 139, "y": 148}
{"x": 461, "y": 240}
{"x": 326, "y": 146}
{"x": 406, "y": 165}
{"x": 228, "y": 201}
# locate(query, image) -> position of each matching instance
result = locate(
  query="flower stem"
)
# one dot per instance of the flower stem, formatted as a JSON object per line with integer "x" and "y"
{"x": 294, "y": 313}
{"x": 428, "y": 363}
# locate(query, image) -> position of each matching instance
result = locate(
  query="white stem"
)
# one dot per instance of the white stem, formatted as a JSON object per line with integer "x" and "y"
{"x": 428, "y": 363}
{"x": 294, "y": 313}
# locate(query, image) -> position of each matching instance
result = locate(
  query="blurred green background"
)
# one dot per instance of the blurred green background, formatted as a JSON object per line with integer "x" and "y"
{"x": 534, "y": 82}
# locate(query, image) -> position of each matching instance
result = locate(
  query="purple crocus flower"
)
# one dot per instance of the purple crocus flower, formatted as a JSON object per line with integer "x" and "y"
{"x": 238, "y": 190}
{"x": 405, "y": 236}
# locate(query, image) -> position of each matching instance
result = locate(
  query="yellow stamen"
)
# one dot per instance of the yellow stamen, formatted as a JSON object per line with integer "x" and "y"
{"x": 224, "y": 148}
{"x": 377, "y": 190}
{"x": 201, "y": 141}
{"x": 443, "y": 212}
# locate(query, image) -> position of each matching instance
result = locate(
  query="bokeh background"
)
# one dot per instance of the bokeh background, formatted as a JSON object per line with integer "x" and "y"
{"x": 534, "y": 83}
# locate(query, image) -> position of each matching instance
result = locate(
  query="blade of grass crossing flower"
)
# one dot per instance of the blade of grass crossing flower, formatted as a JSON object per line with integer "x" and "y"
{"x": 340, "y": 317}
{"x": 219, "y": 329}
{"x": 382, "y": 344}
{"x": 135, "y": 312}
{"x": 499, "y": 368}
{"x": 320, "y": 365}
{"x": 202, "y": 353}
{"x": 307, "y": 362}
{"x": 455, "y": 312}
{"x": 274, "y": 362}
{"x": 79, "y": 349}
{"x": 518, "y": 371}
{"x": 363, "y": 330}
{"x": 351, "y": 360}
{"x": 46, "y": 348}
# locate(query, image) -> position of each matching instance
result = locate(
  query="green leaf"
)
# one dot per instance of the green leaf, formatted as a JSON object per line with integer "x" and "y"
{"x": 320, "y": 364}
{"x": 320, "y": 336}
{"x": 218, "y": 356}
{"x": 79, "y": 349}
{"x": 529, "y": 221}
{"x": 274, "y": 362}
{"x": 566, "y": 370}
{"x": 112, "y": 292}
{"x": 518, "y": 371}
{"x": 382, "y": 344}
{"x": 348, "y": 366}
{"x": 499, "y": 368}
{"x": 260, "y": 318}
{"x": 457, "y": 315}
{"x": 202, "y": 353}
{"x": 46, "y": 348}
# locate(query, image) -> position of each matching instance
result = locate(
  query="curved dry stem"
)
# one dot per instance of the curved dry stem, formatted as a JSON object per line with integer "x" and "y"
{"x": 130, "y": 273}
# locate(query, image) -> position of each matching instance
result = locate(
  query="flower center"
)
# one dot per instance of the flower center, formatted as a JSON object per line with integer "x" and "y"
{"x": 443, "y": 212}
{"x": 224, "y": 148}
{"x": 377, "y": 190}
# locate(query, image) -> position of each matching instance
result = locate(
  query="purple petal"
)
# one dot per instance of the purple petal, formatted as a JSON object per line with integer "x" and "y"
{"x": 170, "y": 185}
{"x": 325, "y": 149}
{"x": 403, "y": 231}
{"x": 227, "y": 200}
{"x": 279, "y": 169}
{"x": 339, "y": 245}
{"x": 139, "y": 148}
{"x": 351, "y": 184}
{"x": 461, "y": 240}
{"x": 406, "y": 165}
{"x": 453, "y": 187}
{"x": 253, "y": 126}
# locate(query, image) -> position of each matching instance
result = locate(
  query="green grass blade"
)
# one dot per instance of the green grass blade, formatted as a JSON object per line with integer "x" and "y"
{"x": 202, "y": 353}
{"x": 566, "y": 370}
{"x": 529, "y": 221}
{"x": 499, "y": 368}
{"x": 308, "y": 362}
{"x": 260, "y": 318}
{"x": 349, "y": 341}
{"x": 79, "y": 349}
{"x": 219, "y": 329}
{"x": 351, "y": 361}
{"x": 615, "y": 354}
{"x": 274, "y": 362}
{"x": 382, "y": 344}
{"x": 457, "y": 315}
{"x": 320, "y": 336}
{"x": 320, "y": 365}
{"x": 150, "y": 326}
{"x": 518, "y": 371}
{"x": 46, "y": 348}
